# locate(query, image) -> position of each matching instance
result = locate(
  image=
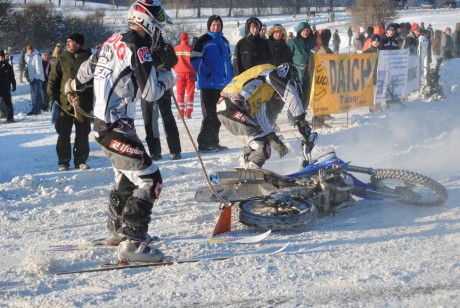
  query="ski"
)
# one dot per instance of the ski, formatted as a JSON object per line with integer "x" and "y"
{"x": 170, "y": 261}
{"x": 249, "y": 239}
{"x": 102, "y": 243}
{"x": 97, "y": 243}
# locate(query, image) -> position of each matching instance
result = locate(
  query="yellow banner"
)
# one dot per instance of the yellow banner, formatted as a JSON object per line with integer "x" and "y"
{"x": 342, "y": 82}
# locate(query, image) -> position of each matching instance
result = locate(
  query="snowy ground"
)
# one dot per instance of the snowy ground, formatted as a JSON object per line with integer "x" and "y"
{"x": 369, "y": 254}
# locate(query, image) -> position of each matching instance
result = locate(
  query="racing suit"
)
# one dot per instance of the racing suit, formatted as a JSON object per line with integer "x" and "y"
{"x": 123, "y": 73}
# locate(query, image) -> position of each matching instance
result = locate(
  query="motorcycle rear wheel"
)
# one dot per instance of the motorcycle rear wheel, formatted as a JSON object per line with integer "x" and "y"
{"x": 270, "y": 214}
{"x": 411, "y": 187}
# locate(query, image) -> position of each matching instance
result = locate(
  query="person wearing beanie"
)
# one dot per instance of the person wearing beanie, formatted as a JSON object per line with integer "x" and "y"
{"x": 411, "y": 41}
{"x": 66, "y": 67}
{"x": 388, "y": 41}
{"x": 211, "y": 58}
{"x": 251, "y": 50}
{"x": 374, "y": 44}
{"x": 7, "y": 84}
{"x": 77, "y": 38}
{"x": 279, "y": 54}
{"x": 185, "y": 77}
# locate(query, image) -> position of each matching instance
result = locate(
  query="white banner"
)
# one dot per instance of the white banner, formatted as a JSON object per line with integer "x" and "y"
{"x": 392, "y": 72}
{"x": 413, "y": 74}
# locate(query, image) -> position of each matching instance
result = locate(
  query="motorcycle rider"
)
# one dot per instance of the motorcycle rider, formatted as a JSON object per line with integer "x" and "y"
{"x": 242, "y": 110}
{"x": 124, "y": 73}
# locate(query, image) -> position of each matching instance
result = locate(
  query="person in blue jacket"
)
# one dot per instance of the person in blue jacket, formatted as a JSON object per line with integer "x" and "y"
{"x": 211, "y": 58}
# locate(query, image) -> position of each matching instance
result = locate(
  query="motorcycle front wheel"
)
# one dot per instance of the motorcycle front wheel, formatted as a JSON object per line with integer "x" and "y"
{"x": 270, "y": 214}
{"x": 409, "y": 187}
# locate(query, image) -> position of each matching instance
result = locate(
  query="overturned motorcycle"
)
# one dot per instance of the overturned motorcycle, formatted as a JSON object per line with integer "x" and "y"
{"x": 275, "y": 202}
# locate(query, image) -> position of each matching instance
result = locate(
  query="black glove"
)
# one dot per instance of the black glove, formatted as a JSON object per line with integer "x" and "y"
{"x": 13, "y": 89}
{"x": 166, "y": 55}
{"x": 304, "y": 129}
{"x": 277, "y": 144}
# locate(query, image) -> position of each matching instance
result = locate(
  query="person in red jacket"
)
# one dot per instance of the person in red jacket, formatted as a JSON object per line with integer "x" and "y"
{"x": 185, "y": 77}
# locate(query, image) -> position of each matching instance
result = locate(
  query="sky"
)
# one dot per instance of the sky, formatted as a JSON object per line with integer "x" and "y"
{"x": 372, "y": 253}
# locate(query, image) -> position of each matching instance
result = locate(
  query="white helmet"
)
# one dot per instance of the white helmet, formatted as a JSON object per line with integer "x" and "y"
{"x": 150, "y": 15}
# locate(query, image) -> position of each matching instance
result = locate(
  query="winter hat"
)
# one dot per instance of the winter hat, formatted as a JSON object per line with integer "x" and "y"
{"x": 378, "y": 29}
{"x": 264, "y": 26}
{"x": 184, "y": 37}
{"x": 212, "y": 18}
{"x": 2, "y": 53}
{"x": 391, "y": 27}
{"x": 276, "y": 27}
{"x": 375, "y": 37}
{"x": 77, "y": 38}
{"x": 302, "y": 25}
{"x": 415, "y": 27}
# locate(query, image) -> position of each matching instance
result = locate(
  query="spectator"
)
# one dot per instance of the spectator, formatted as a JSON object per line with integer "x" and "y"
{"x": 411, "y": 41}
{"x": 7, "y": 84}
{"x": 263, "y": 31}
{"x": 404, "y": 30}
{"x": 358, "y": 40}
{"x": 120, "y": 82}
{"x": 336, "y": 41}
{"x": 185, "y": 77}
{"x": 251, "y": 50}
{"x": 447, "y": 44}
{"x": 436, "y": 49}
{"x": 45, "y": 98}
{"x": 280, "y": 53}
{"x": 374, "y": 48}
{"x": 51, "y": 62}
{"x": 375, "y": 44}
{"x": 456, "y": 40}
{"x": 164, "y": 57}
{"x": 350, "y": 35}
{"x": 211, "y": 58}
{"x": 300, "y": 47}
{"x": 367, "y": 40}
{"x": 22, "y": 65}
{"x": 388, "y": 41}
{"x": 36, "y": 77}
{"x": 66, "y": 68}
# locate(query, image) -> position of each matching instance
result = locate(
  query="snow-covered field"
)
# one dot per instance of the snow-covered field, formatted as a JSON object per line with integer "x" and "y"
{"x": 370, "y": 254}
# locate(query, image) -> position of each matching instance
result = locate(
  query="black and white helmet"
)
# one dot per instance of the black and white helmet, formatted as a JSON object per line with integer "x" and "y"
{"x": 293, "y": 74}
{"x": 150, "y": 15}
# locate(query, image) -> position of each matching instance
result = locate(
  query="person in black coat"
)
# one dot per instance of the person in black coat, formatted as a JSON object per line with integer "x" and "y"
{"x": 7, "y": 84}
{"x": 279, "y": 53}
{"x": 251, "y": 50}
{"x": 389, "y": 40}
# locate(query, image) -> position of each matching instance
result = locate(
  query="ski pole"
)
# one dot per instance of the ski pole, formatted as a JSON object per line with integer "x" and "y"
{"x": 225, "y": 204}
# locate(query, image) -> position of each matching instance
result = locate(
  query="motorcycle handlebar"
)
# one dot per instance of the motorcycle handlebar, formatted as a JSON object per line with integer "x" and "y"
{"x": 366, "y": 170}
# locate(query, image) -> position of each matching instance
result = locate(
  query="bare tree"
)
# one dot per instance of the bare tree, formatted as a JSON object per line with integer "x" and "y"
{"x": 369, "y": 12}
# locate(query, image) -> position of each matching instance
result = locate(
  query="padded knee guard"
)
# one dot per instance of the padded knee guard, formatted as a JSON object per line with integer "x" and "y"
{"x": 116, "y": 205}
{"x": 135, "y": 218}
